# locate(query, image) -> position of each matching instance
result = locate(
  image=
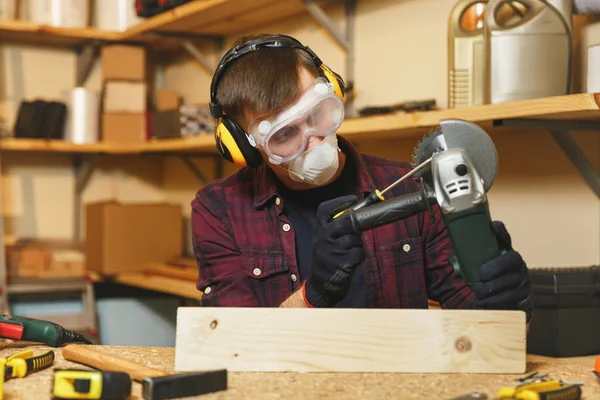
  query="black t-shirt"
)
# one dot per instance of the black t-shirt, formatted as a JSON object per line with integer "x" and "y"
{"x": 301, "y": 208}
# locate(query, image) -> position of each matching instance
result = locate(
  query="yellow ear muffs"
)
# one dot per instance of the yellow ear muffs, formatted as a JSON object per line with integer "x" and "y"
{"x": 335, "y": 80}
{"x": 233, "y": 145}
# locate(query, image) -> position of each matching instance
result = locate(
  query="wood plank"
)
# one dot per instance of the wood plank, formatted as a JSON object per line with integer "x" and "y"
{"x": 215, "y": 17}
{"x": 174, "y": 286}
{"x": 59, "y": 146}
{"x": 575, "y": 106}
{"x": 350, "y": 340}
{"x": 246, "y": 21}
{"x": 179, "y": 272}
{"x": 177, "y": 18}
{"x": 32, "y": 33}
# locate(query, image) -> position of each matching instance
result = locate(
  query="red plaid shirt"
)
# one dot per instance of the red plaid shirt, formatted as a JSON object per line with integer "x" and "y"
{"x": 245, "y": 245}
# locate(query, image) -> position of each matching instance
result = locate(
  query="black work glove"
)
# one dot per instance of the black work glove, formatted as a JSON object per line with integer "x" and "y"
{"x": 504, "y": 282}
{"x": 336, "y": 252}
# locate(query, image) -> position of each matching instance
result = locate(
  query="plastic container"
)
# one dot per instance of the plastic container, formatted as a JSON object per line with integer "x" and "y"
{"x": 566, "y": 316}
{"x": 8, "y": 10}
{"x": 59, "y": 13}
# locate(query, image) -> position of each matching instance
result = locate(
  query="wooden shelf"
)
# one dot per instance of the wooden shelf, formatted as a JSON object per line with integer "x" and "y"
{"x": 202, "y": 143}
{"x": 585, "y": 106}
{"x": 194, "y": 19}
{"x": 31, "y": 33}
{"x": 215, "y": 17}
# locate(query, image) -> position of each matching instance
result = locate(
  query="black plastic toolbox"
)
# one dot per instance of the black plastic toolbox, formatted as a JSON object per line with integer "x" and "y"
{"x": 566, "y": 315}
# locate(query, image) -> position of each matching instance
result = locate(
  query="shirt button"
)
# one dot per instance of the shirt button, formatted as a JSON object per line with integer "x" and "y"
{"x": 406, "y": 248}
{"x": 207, "y": 290}
{"x": 286, "y": 227}
{"x": 256, "y": 271}
{"x": 278, "y": 201}
{"x": 294, "y": 278}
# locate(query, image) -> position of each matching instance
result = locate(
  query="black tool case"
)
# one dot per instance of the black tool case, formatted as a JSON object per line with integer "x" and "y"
{"x": 566, "y": 319}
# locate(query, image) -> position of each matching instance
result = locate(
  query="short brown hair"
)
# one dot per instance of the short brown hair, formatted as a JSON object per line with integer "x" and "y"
{"x": 262, "y": 80}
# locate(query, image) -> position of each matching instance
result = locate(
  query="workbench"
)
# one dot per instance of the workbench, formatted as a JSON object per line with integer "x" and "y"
{"x": 315, "y": 385}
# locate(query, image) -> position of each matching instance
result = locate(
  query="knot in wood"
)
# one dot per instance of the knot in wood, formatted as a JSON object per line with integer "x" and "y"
{"x": 463, "y": 344}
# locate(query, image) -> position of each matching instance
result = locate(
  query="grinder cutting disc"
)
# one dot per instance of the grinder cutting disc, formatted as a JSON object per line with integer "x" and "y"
{"x": 458, "y": 133}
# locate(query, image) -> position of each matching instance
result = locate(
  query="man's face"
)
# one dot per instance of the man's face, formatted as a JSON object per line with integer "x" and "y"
{"x": 299, "y": 125}
{"x": 287, "y": 134}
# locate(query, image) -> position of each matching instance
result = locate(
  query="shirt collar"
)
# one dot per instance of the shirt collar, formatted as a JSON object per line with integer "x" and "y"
{"x": 265, "y": 188}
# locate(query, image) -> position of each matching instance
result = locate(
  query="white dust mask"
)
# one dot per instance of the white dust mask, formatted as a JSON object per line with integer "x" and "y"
{"x": 317, "y": 165}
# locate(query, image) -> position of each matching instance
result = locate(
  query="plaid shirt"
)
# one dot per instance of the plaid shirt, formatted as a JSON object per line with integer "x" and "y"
{"x": 245, "y": 245}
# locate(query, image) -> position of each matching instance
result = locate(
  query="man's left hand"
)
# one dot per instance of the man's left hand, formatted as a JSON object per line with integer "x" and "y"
{"x": 504, "y": 281}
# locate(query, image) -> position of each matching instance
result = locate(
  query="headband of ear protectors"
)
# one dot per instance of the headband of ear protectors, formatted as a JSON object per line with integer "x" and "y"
{"x": 232, "y": 142}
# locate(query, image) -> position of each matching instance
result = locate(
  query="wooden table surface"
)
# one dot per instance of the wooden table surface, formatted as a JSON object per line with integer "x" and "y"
{"x": 314, "y": 385}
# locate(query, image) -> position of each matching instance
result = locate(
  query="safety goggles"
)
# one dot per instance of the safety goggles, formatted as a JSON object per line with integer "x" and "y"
{"x": 283, "y": 136}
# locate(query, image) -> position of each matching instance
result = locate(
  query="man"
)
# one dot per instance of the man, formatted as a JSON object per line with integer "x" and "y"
{"x": 263, "y": 237}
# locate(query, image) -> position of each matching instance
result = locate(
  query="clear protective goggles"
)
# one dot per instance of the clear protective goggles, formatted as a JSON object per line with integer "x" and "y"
{"x": 284, "y": 135}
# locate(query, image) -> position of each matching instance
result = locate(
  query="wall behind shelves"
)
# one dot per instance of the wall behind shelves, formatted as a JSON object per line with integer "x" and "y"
{"x": 401, "y": 52}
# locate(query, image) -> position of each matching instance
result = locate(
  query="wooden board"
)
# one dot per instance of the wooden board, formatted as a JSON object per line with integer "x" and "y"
{"x": 160, "y": 283}
{"x": 27, "y": 32}
{"x": 216, "y": 17}
{"x": 350, "y": 340}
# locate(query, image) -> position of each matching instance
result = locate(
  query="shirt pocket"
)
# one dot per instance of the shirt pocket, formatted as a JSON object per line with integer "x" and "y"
{"x": 403, "y": 273}
{"x": 268, "y": 274}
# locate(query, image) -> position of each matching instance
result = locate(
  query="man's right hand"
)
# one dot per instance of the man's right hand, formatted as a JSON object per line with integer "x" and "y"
{"x": 336, "y": 252}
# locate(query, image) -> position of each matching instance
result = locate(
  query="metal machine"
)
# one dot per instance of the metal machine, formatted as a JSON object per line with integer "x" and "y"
{"x": 528, "y": 47}
{"x": 457, "y": 165}
{"x": 466, "y": 58}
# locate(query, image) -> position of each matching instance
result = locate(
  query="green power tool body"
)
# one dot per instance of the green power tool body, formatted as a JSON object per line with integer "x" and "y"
{"x": 38, "y": 330}
{"x": 457, "y": 165}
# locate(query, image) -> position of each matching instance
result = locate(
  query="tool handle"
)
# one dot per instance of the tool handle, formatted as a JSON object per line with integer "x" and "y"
{"x": 389, "y": 211}
{"x": 40, "y": 362}
{"x": 473, "y": 239}
{"x": 96, "y": 359}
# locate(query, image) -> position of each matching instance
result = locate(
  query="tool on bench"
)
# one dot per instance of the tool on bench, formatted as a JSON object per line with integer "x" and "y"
{"x": 96, "y": 385}
{"x": 596, "y": 370}
{"x": 540, "y": 387}
{"x": 22, "y": 364}
{"x": 457, "y": 165}
{"x": 38, "y": 330}
{"x": 156, "y": 384}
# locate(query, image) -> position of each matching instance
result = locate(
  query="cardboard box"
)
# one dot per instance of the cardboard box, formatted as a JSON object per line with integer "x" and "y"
{"x": 44, "y": 261}
{"x": 123, "y": 237}
{"x": 124, "y": 128}
{"x": 123, "y": 62}
{"x": 125, "y": 97}
{"x": 167, "y": 100}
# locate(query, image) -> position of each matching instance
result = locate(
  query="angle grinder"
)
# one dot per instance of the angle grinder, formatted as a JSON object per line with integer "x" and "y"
{"x": 457, "y": 164}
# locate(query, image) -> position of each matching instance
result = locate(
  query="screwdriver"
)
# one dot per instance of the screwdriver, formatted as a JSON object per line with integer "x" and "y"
{"x": 376, "y": 196}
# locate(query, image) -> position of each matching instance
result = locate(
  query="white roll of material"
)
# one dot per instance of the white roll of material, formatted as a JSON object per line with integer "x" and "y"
{"x": 60, "y": 13}
{"x": 83, "y": 116}
{"x": 593, "y": 68}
